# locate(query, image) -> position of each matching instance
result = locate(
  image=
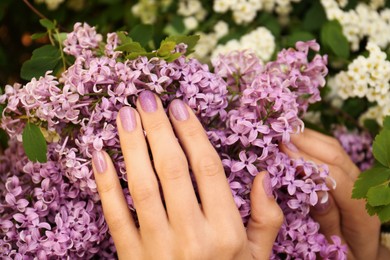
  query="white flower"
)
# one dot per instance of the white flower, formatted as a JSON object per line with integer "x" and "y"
{"x": 365, "y": 21}
{"x": 190, "y": 23}
{"x": 222, "y": 6}
{"x": 51, "y": 4}
{"x": 260, "y": 41}
{"x": 221, "y": 29}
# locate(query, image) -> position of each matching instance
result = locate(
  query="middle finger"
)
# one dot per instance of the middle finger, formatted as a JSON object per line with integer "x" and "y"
{"x": 169, "y": 160}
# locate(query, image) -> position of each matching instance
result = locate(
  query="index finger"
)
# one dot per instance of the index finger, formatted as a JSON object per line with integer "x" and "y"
{"x": 325, "y": 149}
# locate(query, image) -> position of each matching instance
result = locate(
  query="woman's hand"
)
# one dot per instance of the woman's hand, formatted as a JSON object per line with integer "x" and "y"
{"x": 340, "y": 215}
{"x": 184, "y": 229}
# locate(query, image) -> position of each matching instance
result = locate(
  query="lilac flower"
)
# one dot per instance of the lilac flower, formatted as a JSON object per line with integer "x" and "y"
{"x": 245, "y": 162}
{"x": 52, "y": 209}
{"x": 357, "y": 145}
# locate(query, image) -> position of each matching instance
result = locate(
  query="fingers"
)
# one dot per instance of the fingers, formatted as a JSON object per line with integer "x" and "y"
{"x": 355, "y": 224}
{"x": 326, "y": 213}
{"x": 142, "y": 181}
{"x": 214, "y": 190}
{"x": 344, "y": 183}
{"x": 326, "y": 149}
{"x": 115, "y": 209}
{"x": 266, "y": 217}
{"x": 169, "y": 161}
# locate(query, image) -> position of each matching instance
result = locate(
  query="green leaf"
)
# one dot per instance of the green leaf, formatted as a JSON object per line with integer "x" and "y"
{"x": 386, "y": 122}
{"x": 384, "y": 213}
{"x": 298, "y": 36}
{"x": 34, "y": 143}
{"x": 333, "y": 37}
{"x": 379, "y": 195}
{"x": 315, "y": 17}
{"x": 36, "y": 36}
{"x": 47, "y": 24}
{"x": 123, "y": 37}
{"x": 130, "y": 47}
{"x": 60, "y": 37}
{"x": 142, "y": 33}
{"x": 372, "y": 126}
{"x": 370, "y": 178}
{"x": 190, "y": 41}
{"x": 372, "y": 210}
{"x": 166, "y": 48}
{"x": 43, "y": 59}
{"x": 381, "y": 147}
{"x": 173, "y": 57}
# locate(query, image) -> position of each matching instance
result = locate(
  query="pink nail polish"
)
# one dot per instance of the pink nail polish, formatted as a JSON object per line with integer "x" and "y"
{"x": 322, "y": 206}
{"x": 267, "y": 186}
{"x": 99, "y": 161}
{"x": 179, "y": 110}
{"x": 127, "y": 117}
{"x": 148, "y": 101}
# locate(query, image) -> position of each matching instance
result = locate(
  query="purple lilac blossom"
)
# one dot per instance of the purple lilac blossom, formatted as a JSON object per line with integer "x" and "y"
{"x": 358, "y": 146}
{"x": 52, "y": 209}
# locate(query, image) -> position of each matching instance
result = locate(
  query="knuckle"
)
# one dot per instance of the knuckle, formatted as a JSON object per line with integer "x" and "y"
{"x": 194, "y": 249}
{"x": 272, "y": 218}
{"x": 144, "y": 191}
{"x": 115, "y": 222}
{"x": 172, "y": 167}
{"x": 155, "y": 126}
{"x": 232, "y": 242}
{"x": 209, "y": 165}
{"x": 338, "y": 158}
{"x": 192, "y": 131}
{"x": 106, "y": 187}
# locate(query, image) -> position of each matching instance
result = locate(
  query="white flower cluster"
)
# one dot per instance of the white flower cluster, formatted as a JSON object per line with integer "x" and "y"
{"x": 208, "y": 42}
{"x": 363, "y": 21}
{"x": 367, "y": 77}
{"x": 260, "y": 41}
{"x": 51, "y": 4}
{"x": 147, "y": 10}
{"x": 244, "y": 11}
{"x": 193, "y": 13}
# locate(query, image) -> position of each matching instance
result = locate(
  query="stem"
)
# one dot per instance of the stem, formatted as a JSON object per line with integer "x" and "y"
{"x": 34, "y": 9}
{"x": 60, "y": 46}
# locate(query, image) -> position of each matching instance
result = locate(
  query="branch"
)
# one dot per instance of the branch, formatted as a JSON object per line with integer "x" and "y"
{"x": 34, "y": 9}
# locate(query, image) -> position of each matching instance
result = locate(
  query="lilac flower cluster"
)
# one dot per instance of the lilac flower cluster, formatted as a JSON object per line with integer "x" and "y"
{"x": 266, "y": 111}
{"x": 52, "y": 209}
{"x": 357, "y": 144}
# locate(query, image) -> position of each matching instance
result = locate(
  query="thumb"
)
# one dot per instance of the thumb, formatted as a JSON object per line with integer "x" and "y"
{"x": 266, "y": 217}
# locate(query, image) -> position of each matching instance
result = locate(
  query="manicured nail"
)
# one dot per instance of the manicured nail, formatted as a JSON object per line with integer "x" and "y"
{"x": 127, "y": 116}
{"x": 291, "y": 147}
{"x": 148, "y": 101}
{"x": 322, "y": 205}
{"x": 179, "y": 110}
{"x": 267, "y": 186}
{"x": 99, "y": 161}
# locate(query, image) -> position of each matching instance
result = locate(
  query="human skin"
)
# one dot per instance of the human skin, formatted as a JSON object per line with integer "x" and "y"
{"x": 340, "y": 215}
{"x": 183, "y": 228}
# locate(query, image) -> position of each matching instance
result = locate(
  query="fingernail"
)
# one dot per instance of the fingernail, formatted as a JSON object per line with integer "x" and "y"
{"x": 148, "y": 101}
{"x": 99, "y": 161}
{"x": 127, "y": 116}
{"x": 179, "y": 110}
{"x": 291, "y": 147}
{"x": 267, "y": 186}
{"x": 322, "y": 205}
